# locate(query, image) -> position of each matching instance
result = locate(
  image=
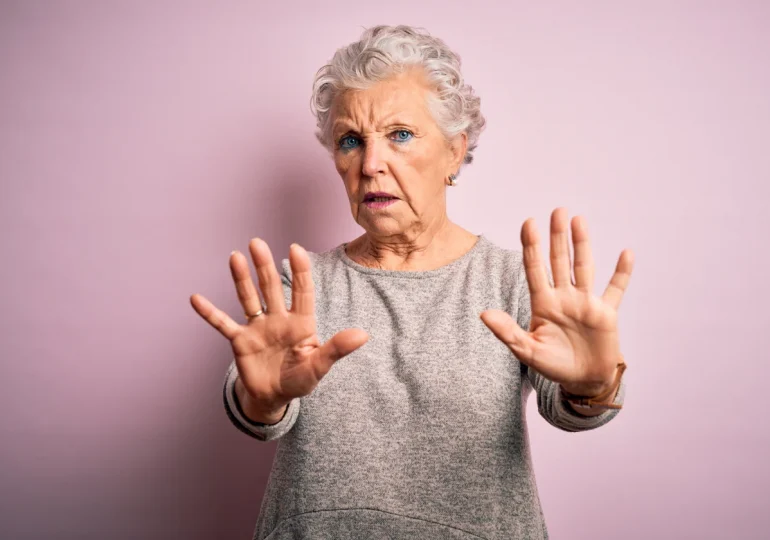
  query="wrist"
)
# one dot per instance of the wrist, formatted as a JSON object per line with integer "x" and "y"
{"x": 587, "y": 390}
{"x": 597, "y": 397}
{"x": 596, "y": 389}
{"x": 256, "y": 411}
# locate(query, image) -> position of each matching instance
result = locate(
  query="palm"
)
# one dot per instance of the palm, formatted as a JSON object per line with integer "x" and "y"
{"x": 279, "y": 357}
{"x": 278, "y": 353}
{"x": 571, "y": 330}
{"x": 573, "y": 337}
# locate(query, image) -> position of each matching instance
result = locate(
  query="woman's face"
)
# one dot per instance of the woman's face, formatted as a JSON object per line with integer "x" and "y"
{"x": 386, "y": 140}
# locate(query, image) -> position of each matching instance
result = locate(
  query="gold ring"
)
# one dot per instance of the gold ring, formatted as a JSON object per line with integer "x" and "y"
{"x": 257, "y": 314}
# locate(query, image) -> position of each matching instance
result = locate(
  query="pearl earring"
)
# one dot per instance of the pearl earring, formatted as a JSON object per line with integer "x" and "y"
{"x": 452, "y": 179}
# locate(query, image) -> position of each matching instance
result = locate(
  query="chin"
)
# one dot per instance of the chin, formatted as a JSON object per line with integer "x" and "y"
{"x": 375, "y": 230}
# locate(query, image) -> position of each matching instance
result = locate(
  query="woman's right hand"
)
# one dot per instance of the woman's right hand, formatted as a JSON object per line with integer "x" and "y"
{"x": 278, "y": 354}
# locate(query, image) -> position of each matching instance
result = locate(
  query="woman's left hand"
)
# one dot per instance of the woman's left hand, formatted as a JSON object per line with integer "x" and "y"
{"x": 573, "y": 338}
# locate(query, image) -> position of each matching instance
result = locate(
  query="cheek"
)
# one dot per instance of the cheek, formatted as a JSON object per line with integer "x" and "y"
{"x": 345, "y": 165}
{"x": 345, "y": 160}
{"x": 419, "y": 167}
{"x": 342, "y": 164}
{"x": 422, "y": 156}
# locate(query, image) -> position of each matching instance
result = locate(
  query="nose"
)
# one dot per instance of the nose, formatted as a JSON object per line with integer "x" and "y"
{"x": 373, "y": 163}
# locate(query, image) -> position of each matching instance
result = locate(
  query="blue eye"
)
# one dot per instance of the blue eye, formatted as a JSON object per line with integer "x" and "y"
{"x": 403, "y": 135}
{"x": 348, "y": 142}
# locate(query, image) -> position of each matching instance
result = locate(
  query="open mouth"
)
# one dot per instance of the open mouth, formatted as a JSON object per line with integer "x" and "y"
{"x": 376, "y": 203}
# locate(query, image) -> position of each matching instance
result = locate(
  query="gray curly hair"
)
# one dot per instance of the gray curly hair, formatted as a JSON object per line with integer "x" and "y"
{"x": 383, "y": 51}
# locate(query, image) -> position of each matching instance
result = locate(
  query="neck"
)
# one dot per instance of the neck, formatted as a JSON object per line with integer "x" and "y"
{"x": 425, "y": 250}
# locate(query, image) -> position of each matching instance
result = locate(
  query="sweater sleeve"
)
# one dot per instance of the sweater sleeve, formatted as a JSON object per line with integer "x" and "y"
{"x": 262, "y": 432}
{"x": 257, "y": 430}
{"x": 550, "y": 401}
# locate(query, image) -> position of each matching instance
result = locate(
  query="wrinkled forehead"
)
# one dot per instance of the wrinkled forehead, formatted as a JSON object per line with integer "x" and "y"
{"x": 399, "y": 100}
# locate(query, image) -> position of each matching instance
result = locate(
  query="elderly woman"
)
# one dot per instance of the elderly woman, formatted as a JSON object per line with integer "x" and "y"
{"x": 396, "y": 382}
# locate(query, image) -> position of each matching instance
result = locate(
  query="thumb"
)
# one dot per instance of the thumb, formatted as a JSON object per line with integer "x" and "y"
{"x": 340, "y": 345}
{"x": 510, "y": 333}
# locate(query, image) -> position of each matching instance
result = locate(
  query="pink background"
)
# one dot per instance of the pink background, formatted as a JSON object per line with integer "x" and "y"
{"x": 141, "y": 142}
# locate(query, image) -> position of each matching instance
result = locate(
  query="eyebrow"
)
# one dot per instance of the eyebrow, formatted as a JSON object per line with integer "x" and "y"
{"x": 347, "y": 126}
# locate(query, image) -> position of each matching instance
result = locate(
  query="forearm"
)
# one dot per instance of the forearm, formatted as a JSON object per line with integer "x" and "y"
{"x": 252, "y": 410}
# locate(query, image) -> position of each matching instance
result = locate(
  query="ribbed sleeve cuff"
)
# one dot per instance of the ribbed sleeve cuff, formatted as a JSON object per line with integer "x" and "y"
{"x": 262, "y": 432}
{"x": 554, "y": 408}
{"x": 578, "y": 422}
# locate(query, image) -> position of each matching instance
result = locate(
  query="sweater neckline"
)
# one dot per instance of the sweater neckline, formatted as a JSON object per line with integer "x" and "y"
{"x": 411, "y": 274}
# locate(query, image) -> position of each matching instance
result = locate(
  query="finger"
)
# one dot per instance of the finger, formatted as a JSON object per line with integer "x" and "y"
{"x": 302, "y": 289}
{"x": 215, "y": 317}
{"x": 269, "y": 279}
{"x": 537, "y": 278}
{"x": 339, "y": 345}
{"x": 509, "y": 332}
{"x": 584, "y": 262}
{"x": 613, "y": 294}
{"x": 560, "y": 256}
{"x": 244, "y": 286}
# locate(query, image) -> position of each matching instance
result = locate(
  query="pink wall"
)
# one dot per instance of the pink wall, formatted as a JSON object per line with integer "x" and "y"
{"x": 141, "y": 142}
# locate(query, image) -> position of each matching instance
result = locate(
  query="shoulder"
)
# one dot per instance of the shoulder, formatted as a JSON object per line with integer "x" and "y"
{"x": 505, "y": 278}
{"x": 321, "y": 263}
{"x": 504, "y": 263}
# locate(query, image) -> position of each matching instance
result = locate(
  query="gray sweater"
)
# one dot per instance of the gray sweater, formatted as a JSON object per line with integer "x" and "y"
{"x": 421, "y": 433}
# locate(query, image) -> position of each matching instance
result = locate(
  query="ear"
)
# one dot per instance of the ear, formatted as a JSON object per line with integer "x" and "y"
{"x": 458, "y": 147}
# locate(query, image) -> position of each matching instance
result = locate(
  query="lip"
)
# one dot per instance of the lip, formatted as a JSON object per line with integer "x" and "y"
{"x": 376, "y": 205}
{"x": 370, "y": 194}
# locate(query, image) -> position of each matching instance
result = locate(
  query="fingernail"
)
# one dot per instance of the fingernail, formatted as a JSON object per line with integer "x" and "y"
{"x": 232, "y": 252}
